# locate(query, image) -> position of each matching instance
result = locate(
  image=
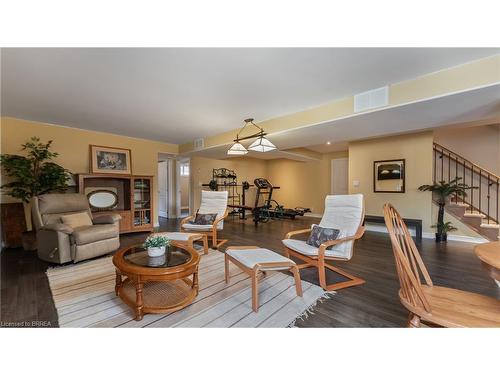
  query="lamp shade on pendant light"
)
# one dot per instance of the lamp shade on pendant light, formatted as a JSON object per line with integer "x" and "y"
{"x": 262, "y": 144}
{"x": 237, "y": 149}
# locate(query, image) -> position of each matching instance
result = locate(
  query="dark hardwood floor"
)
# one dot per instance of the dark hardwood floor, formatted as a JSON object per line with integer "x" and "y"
{"x": 26, "y": 297}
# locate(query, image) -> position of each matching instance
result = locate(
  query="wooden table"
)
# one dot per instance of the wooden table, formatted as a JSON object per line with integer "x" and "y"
{"x": 157, "y": 284}
{"x": 489, "y": 253}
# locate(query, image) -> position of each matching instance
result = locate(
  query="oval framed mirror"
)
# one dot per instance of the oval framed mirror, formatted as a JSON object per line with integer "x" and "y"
{"x": 102, "y": 199}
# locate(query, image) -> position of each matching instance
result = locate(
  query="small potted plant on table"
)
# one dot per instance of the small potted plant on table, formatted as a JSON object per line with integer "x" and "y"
{"x": 156, "y": 245}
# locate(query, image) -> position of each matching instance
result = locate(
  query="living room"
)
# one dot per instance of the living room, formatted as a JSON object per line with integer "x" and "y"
{"x": 250, "y": 187}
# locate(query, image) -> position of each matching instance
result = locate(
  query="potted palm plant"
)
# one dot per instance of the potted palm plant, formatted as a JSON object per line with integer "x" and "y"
{"x": 32, "y": 175}
{"x": 442, "y": 231}
{"x": 442, "y": 191}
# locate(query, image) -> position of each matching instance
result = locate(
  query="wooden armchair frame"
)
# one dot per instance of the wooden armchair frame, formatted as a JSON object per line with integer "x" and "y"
{"x": 319, "y": 261}
{"x": 216, "y": 242}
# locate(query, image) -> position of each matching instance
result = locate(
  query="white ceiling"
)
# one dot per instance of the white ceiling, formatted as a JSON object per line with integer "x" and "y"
{"x": 176, "y": 95}
{"x": 460, "y": 108}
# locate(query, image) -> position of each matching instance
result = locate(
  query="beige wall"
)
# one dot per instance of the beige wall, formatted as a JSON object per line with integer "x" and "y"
{"x": 302, "y": 184}
{"x": 479, "y": 144}
{"x": 416, "y": 149}
{"x": 184, "y": 191}
{"x": 247, "y": 169}
{"x": 73, "y": 147}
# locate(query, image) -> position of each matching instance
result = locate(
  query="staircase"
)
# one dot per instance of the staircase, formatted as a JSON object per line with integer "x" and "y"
{"x": 479, "y": 209}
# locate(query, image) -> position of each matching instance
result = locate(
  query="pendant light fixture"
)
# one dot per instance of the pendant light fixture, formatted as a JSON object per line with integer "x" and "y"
{"x": 261, "y": 144}
{"x": 237, "y": 149}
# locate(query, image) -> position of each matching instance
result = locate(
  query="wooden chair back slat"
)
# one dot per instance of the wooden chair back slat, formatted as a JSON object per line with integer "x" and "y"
{"x": 409, "y": 264}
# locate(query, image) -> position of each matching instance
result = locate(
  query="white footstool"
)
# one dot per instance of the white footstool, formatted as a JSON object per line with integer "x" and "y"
{"x": 186, "y": 238}
{"x": 253, "y": 260}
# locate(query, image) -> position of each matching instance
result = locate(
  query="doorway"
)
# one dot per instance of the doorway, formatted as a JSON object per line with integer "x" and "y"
{"x": 163, "y": 189}
{"x": 340, "y": 176}
{"x": 183, "y": 188}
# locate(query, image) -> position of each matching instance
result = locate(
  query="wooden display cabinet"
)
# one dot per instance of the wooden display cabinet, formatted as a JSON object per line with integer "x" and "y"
{"x": 135, "y": 198}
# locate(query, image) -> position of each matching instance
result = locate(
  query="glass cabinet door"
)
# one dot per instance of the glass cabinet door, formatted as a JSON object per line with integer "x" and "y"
{"x": 142, "y": 201}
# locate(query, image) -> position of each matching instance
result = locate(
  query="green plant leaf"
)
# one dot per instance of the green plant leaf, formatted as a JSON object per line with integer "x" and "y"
{"x": 33, "y": 174}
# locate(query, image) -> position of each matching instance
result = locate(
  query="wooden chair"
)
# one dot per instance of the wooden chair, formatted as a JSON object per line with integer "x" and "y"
{"x": 427, "y": 303}
{"x": 343, "y": 212}
{"x": 211, "y": 202}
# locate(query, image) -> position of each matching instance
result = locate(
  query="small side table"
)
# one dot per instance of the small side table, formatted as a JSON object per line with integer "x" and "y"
{"x": 253, "y": 261}
{"x": 186, "y": 238}
{"x": 489, "y": 254}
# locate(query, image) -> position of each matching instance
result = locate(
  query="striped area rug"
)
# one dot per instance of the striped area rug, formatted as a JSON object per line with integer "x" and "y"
{"x": 84, "y": 296}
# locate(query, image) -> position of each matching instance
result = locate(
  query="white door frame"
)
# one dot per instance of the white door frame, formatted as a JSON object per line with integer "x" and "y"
{"x": 170, "y": 188}
{"x": 171, "y": 191}
{"x": 178, "y": 185}
{"x": 159, "y": 197}
{"x": 332, "y": 173}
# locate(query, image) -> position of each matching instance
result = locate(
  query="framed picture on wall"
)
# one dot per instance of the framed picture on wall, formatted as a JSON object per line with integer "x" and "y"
{"x": 389, "y": 176}
{"x": 110, "y": 160}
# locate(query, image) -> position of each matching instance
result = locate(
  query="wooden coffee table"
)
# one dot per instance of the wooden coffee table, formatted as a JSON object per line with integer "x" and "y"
{"x": 157, "y": 284}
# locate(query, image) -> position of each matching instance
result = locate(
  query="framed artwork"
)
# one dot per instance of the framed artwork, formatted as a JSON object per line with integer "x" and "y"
{"x": 389, "y": 176}
{"x": 110, "y": 160}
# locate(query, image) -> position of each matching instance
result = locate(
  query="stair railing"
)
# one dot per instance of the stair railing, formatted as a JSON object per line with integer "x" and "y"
{"x": 448, "y": 165}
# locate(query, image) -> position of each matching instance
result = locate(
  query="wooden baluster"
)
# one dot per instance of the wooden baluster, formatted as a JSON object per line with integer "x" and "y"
{"x": 472, "y": 190}
{"x": 449, "y": 167}
{"x": 456, "y": 175}
{"x": 463, "y": 180}
{"x": 435, "y": 167}
{"x": 442, "y": 165}
{"x": 480, "y": 196}
{"x": 488, "y": 196}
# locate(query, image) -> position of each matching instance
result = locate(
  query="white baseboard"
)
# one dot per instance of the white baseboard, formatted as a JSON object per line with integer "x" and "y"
{"x": 429, "y": 235}
{"x": 453, "y": 237}
{"x": 309, "y": 214}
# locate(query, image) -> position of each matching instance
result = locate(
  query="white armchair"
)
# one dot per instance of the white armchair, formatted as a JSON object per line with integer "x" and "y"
{"x": 212, "y": 202}
{"x": 345, "y": 213}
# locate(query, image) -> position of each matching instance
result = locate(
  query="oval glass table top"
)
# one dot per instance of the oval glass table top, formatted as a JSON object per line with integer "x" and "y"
{"x": 102, "y": 199}
{"x": 173, "y": 257}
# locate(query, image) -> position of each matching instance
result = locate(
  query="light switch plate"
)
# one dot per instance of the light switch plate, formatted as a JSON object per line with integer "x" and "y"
{"x": 355, "y": 183}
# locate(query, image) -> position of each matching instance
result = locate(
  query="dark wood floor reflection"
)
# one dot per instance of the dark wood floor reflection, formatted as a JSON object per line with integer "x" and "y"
{"x": 25, "y": 293}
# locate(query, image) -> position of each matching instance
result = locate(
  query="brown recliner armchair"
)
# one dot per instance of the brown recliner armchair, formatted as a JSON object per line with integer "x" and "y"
{"x": 60, "y": 243}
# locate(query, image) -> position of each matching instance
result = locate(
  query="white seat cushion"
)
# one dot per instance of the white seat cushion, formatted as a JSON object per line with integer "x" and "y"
{"x": 305, "y": 249}
{"x": 178, "y": 236}
{"x": 249, "y": 258}
{"x": 214, "y": 202}
{"x": 197, "y": 227}
{"x": 343, "y": 212}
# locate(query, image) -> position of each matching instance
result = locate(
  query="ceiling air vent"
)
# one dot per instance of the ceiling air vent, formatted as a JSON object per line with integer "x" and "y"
{"x": 199, "y": 143}
{"x": 371, "y": 99}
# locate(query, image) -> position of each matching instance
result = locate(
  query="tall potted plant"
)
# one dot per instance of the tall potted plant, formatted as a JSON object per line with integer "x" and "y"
{"x": 442, "y": 191}
{"x": 33, "y": 174}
